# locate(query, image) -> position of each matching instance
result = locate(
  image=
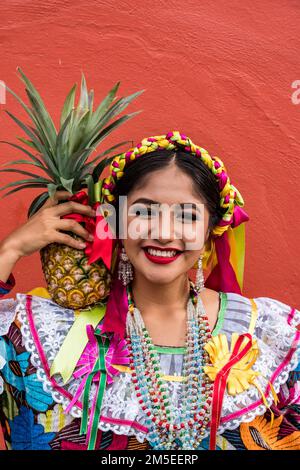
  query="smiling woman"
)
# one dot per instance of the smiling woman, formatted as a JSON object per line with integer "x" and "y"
{"x": 164, "y": 362}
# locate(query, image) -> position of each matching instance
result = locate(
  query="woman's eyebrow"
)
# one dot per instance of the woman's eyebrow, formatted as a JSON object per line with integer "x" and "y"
{"x": 145, "y": 201}
{"x": 191, "y": 205}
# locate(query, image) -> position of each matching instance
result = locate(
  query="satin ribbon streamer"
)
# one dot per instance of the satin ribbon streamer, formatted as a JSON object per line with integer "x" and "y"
{"x": 220, "y": 386}
{"x": 95, "y": 373}
{"x": 116, "y": 308}
{"x": 75, "y": 342}
{"x": 227, "y": 254}
{"x": 99, "y": 373}
{"x": 96, "y": 364}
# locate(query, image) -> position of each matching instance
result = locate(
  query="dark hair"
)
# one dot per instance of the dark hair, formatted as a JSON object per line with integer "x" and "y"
{"x": 204, "y": 182}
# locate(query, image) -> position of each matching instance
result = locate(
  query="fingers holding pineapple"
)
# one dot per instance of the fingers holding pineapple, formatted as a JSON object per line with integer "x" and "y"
{"x": 53, "y": 201}
{"x": 72, "y": 206}
{"x": 46, "y": 226}
{"x": 50, "y": 216}
{"x": 59, "y": 197}
{"x": 70, "y": 225}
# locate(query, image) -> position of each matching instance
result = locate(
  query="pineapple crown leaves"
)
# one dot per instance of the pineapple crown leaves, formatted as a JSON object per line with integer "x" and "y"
{"x": 63, "y": 155}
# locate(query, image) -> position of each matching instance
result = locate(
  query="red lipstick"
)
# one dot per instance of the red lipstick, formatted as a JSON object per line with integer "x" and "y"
{"x": 161, "y": 259}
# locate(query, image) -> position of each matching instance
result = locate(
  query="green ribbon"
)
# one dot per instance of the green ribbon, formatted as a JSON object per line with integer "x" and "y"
{"x": 98, "y": 367}
{"x": 75, "y": 342}
{"x": 97, "y": 191}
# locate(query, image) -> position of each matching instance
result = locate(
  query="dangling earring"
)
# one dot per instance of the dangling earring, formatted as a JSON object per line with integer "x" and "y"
{"x": 199, "y": 284}
{"x": 125, "y": 271}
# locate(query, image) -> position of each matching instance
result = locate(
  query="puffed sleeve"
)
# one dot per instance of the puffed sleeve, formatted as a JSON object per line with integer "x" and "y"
{"x": 267, "y": 414}
{"x": 279, "y": 328}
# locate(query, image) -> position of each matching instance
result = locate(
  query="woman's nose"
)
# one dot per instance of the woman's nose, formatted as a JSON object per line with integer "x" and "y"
{"x": 164, "y": 227}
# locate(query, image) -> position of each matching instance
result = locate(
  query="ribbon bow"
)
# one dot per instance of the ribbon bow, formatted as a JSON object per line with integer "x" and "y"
{"x": 95, "y": 365}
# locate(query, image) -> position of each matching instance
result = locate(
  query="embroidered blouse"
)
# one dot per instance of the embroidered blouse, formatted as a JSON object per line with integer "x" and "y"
{"x": 32, "y": 402}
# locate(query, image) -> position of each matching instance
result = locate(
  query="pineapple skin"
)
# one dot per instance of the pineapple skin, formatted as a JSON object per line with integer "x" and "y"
{"x": 71, "y": 281}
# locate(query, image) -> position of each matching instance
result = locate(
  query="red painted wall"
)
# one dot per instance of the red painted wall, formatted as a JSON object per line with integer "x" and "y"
{"x": 219, "y": 71}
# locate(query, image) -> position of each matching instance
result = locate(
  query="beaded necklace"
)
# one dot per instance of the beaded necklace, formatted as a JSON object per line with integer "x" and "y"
{"x": 171, "y": 428}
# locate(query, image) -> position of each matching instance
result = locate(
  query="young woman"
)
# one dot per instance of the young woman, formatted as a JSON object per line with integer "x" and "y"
{"x": 169, "y": 364}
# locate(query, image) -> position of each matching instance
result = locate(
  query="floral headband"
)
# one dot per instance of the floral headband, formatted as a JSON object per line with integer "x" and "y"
{"x": 229, "y": 195}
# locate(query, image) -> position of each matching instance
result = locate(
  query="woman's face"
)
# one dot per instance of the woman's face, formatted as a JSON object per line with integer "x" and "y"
{"x": 164, "y": 226}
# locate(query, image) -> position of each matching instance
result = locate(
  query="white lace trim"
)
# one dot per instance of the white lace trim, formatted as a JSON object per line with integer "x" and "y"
{"x": 73, "y": 384}
{"x": 272, "y": 332}
{"x": 296, "y": 319}
{"x": 7, "y": 314}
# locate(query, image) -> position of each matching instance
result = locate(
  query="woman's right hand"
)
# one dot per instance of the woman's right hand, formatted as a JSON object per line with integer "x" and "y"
{"x": 43, "y": 228}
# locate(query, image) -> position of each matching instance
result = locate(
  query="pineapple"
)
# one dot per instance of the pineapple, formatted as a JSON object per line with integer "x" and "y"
{"x": 72, "y": 282}
{"x": 63, "y": 158}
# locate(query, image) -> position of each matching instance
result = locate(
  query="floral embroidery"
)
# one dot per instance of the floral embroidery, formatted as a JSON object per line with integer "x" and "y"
{"x": 241, "y": 376}
{"x": 260, "y": 435}
{"x": 14, "y": 373}
{"x": 26, "y": 435}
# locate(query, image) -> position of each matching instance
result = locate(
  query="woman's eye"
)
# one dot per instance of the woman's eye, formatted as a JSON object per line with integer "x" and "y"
{"x": 142, "y": 212}
{"x": 188, "y": 216}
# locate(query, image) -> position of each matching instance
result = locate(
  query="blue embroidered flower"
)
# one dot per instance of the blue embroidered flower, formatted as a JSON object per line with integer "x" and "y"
{"x": 35, "y": 395}
{"x": 26, "y": 435}
{"x": 9, "y": 354}
{"x": 23, "y": 360}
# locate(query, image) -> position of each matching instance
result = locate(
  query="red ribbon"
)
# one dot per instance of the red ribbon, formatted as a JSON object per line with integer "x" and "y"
{"x": 117, "y": 307}
{"x": 223, "y": 278}
{"x": 99, "y": 247}
{"x": 220, "y": 386}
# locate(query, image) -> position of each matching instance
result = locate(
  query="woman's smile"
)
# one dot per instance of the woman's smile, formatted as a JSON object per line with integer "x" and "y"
{"x": 161, "y": 256}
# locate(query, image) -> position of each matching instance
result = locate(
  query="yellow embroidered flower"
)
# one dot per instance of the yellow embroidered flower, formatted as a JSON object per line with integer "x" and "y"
{"x": 261, "y": 435}
{"x": 241, "y": 376}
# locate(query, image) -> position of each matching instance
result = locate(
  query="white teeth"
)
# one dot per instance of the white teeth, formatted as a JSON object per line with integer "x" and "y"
{"x": 168, "y": 254}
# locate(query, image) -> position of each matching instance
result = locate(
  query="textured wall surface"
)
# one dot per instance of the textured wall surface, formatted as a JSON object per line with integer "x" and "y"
{"x": 219, "y": 71}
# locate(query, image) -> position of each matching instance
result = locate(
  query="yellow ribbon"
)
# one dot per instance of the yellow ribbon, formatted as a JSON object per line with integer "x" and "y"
{"x": 40, "y": 292}
{"x": 97, "y": 190}
{"x": 75, "y": 342}
{"x": 254, "y": 315}
{"x": 276, "y": 399}
{"x": 236, "y": 238}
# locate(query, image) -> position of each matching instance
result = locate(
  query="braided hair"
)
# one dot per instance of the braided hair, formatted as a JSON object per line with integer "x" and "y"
{"x": 175, "y": 143}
